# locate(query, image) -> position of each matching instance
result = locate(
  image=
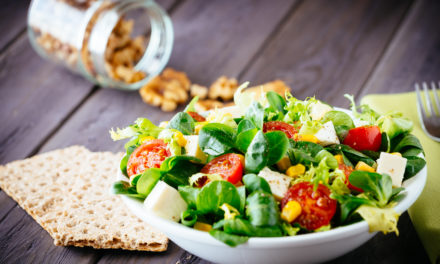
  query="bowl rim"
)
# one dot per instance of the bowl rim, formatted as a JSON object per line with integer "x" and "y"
{"x": 413, "y": 188}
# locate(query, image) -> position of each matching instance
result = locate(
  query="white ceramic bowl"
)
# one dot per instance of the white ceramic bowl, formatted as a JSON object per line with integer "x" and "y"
{"x": 306, "y": 248}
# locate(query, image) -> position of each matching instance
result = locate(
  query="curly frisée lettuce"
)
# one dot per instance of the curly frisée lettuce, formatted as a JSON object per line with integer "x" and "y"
{"x": 275, "y": 168}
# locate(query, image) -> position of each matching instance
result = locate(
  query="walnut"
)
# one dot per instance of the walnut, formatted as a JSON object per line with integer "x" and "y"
{"x": 223, "y": 88}
{"x": 171, "y": 74}
{"x": 208, "y": 104}
{"x": 199, "y": 90}
{"x": 166, "y": 90}
{"x": 277, "y": 86}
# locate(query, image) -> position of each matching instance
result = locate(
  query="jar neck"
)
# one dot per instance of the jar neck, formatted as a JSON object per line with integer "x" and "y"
{"x": 93, "y": 61}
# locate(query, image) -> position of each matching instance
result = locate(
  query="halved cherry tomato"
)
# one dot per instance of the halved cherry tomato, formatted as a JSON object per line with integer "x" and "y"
{"x": 364, "y": 138}
{"x": 289, "y": 130}
{"x": 347, "y": 171}
{"x": 317, "y": 208}
{"x": 229, "y": 166}
{"x": 196, "y": 116}
{"x": 151, "y": 154}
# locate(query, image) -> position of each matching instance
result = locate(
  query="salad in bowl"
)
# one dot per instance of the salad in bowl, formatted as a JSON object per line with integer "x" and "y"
{"x": 271, "y": 166}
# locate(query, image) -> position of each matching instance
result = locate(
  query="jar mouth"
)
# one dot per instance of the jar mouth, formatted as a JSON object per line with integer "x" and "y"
{"x": 94, "y": 59}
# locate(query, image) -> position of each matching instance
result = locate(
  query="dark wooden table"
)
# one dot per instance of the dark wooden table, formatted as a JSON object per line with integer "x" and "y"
{"x": 322, "y": 48}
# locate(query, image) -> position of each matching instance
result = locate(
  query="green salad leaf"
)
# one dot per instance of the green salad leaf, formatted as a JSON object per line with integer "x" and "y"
{"x": 255, "y": 183}
{"x": 183, "y": 122}
{"x": 215, "y": 194}
{"x": 262, "y": 209}
{"x": 228, "y": 239}
{"x": 255, "y": 114}
{"x": 216, "y": 139}
{"x": 256, "y": 156}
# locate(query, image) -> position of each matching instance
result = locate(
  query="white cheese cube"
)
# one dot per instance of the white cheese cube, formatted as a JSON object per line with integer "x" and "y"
{"x": 278, "y": 182}
{"x": 318, "y": 110}
{"x": 192, "y": 148}
{"x": 327, "y": 135}
{"x": 166, "y": 202}
{"x": 392, "y": 165}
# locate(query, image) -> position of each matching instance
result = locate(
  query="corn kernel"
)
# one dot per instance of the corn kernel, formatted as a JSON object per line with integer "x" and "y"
{"x": 180, "y": 139}
{"x": 309, "y": 138}
{"x": 198, "y": 127}
{"x": 339, "y": 159}
{"x": 202, "y": 226}
{"x": 144, "y": 139}
{"x": 296, "y": 170}
{"x": 397, "y": 154}
{"x": 291, "y": 211}
{"x": 163, "y": 124}
{"x": 284, "y": 163}
{"x": 362, "y": 166}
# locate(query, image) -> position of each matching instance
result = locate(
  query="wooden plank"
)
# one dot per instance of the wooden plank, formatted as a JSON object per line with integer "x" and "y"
{"x": 328, "y": 49}
{"x": 12, "y": 20}
{"x": 35, "y": 96}
{"x": 413, "y": 55}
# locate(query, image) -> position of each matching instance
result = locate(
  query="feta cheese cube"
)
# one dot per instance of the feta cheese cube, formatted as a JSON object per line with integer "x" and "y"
{"x": 392, "y": 165}
{"x": 318, "y": 110}
{"x": 166, "y": 202}
{"x": 192, "y": 148}
{"x": 278, "y": 182}
{"x": 327, "y": 135}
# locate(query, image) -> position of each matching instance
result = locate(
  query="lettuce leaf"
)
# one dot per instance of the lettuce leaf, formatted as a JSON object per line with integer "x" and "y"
{"x": 379, "y": 219}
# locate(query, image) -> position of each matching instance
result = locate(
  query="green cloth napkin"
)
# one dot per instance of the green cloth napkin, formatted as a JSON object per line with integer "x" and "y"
{"x": 425, "y": 213}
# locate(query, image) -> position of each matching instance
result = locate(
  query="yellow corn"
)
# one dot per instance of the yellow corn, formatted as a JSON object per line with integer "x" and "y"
{"x": 362, "y": 166}
{"x": 180, "y": 139}
{"x": 284, "y": 163}
{"x": 339, "y": 158}
{"x": 291, "y": 211}
{"x": 297, "y": 170}
{"x": 144, "y": 139}
{"x": 396, "y": 153}
{"x": 163, "y": 124}
{"x": 309, "y": 138}
{"x": 202, "y": 226}
{"x": 198, "y": 127}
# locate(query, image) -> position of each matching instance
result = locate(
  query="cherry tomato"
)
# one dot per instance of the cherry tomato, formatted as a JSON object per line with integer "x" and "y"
{"x": 197, "y": 117}
{"x": 347, "y": 171}
{"x": 364, "y": 138}
{"x": 317, "y": 208}
{"x": 151, "y": 154}
{"x": 229, "y": 166}
{"x": 289, "y": 130}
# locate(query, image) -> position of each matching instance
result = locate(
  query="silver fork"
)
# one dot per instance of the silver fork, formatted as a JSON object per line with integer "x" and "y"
{"x": 429, "y": 118}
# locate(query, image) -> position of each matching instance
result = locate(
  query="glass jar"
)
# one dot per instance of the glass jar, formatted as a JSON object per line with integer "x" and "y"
{"x": 118, "y": 44}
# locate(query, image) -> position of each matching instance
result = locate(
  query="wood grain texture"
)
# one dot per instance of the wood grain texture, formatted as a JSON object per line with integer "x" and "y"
{"x": 13, "y": 15}
{"x": 413, "y": 55}
{"x": 35, "y": 96}
{"x": 329, "y": 48}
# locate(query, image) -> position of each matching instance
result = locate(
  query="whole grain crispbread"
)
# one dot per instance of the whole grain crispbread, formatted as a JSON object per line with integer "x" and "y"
{"x": 67, "y": 192}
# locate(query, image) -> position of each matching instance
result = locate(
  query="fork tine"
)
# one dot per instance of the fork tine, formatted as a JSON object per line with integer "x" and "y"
{"x": 435, "y": 92}
{"x": 427, "y": 99}
{"x": 419, "y": 101}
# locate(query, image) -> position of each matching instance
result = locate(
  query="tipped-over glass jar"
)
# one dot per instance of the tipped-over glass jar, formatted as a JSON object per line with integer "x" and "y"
{"x": 120, "y": 44}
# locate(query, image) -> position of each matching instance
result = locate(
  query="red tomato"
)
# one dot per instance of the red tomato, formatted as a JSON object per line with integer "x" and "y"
{"x": 364, "y": 138}
{"x": 197, "y": 117}
{"x": 289, "y": 130}
{"x": 317, "y": 208}
{"x": 229, "y": 166}
{"x": 151, "y": 154}
{"x": 347, "y": 171}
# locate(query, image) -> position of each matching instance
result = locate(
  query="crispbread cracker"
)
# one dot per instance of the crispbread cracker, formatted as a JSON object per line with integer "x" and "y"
{"x": 67, "y": 192}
